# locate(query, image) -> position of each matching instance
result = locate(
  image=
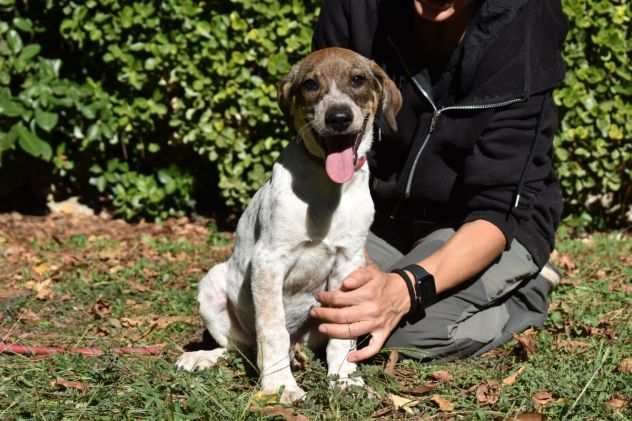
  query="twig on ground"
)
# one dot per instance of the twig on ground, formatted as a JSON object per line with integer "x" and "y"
{"x": 88, "y": 352}
{"x": 601, "y": 363}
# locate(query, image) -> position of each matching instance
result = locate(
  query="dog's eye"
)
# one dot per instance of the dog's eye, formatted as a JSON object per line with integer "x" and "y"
{"x": 358, "y": 80}
{"x": 311, "y": 85}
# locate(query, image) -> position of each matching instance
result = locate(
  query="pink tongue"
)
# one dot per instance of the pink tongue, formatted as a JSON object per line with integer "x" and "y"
{"x": 339, "y": 165}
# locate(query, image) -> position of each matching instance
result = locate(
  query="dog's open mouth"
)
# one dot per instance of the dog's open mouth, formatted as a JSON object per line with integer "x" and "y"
{"x": 341, "y": 155}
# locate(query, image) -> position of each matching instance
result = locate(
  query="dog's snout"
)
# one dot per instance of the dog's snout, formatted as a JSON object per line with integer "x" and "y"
{"x": 339, "y": 117}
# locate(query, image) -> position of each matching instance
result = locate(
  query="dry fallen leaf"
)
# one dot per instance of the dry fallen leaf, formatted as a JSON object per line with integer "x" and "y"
{"x": 137, "y": 286}
{"x": 66, "y": 384}
{"x": 266, "y": 404}
{"x": 572, "y": 345}
{"x": 542, "y": 398}
{"x": 528, "y": 416}
{"x": 9, "y": 294}
{"x": 393, "y": 357}
{"x": 28, "y": 315}
{"x": 131, "y": 321}
{"x": 444, "y": 404}
{"x": 508, "y": 381}
{"x": 382, "y": 412}
{"x": 164, "y": 322}
{"x": 488, "y": 393}
{"x": 625, "y": 366}
{"x": 42, "y": 268}
{"x": 527, "y": 343}
{"x": 112, "y": 254}
{"x": 617, "y": 402}
{"x": 157, "y": 322}
{"x": 588, "y": 242}
{"x": 423, "y": 389}
{"x": 287, "y": 413}
{"x": 43, "y": 290}
{"x": 149, "y": 273}
{"x": 563, "y": 261}
{"x": 101, "y": 309}
{"x": 116, "y": 269}
{"x": 399, "y": 402}
{"x": 442, "y": 376}
{"x": 300, "y": 361}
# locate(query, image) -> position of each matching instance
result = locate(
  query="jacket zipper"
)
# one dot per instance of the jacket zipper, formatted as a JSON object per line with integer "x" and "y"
{"x": 433, "y": 124}
{"x": 436, "y": 113}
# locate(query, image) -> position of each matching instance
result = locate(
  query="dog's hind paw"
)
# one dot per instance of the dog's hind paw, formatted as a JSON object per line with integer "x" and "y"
{"x": 199, "y": 360}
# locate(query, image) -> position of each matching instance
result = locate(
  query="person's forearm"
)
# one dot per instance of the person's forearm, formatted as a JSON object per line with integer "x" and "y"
{"x": 470, "y": 250}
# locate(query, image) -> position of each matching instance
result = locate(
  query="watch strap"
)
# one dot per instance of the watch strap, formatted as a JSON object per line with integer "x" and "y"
{"x": 415, "y": 313}
{"x": 425, "y": 287}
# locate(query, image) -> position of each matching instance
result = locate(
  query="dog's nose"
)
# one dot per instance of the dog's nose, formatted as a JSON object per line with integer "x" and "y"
{"x": 339, "y": 118}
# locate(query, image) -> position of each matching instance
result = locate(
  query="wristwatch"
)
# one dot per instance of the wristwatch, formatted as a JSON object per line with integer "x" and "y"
{"x": 422, "y": 291}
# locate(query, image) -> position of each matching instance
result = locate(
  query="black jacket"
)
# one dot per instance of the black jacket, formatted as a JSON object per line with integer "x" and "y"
{"x": 475, "y": 139}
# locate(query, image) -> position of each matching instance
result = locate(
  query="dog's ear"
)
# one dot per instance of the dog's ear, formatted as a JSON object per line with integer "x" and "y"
{"x": 391, "y": 97}
{"x": 285, "y": 90}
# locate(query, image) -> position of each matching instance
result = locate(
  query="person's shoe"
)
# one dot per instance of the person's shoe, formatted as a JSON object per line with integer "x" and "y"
{"x": 551, "y": 274}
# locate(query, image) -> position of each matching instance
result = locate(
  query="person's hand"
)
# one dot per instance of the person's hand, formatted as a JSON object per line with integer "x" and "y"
{"x": 369, "y": 302}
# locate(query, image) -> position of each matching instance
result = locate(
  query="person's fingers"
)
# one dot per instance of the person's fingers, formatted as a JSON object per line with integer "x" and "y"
{"x": 337, "y": 315}
{"x": 349, "y": 314}
{"x": 356, "y": 279}
{"x": 347, "y": 330}
{"x": 339, "y": 298}
{"x": 374, "y": 346}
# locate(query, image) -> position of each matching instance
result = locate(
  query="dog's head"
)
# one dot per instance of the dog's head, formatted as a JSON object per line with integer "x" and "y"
{"x": 332, "y": 97}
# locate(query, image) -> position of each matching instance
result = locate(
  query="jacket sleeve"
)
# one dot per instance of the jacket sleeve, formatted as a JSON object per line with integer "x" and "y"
{"x": 332, "y": 28}
{"x": 506, "y": 166}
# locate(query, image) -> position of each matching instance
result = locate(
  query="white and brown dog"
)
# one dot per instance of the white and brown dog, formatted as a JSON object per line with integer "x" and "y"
{"x": 305, "y": 229}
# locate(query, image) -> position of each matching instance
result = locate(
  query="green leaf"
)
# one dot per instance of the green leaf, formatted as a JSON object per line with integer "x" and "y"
{"x": 29, "y": 52}
{"x": 10, "y": 108}
{"x": 46, "y": 120}
{"x": 23, "y": 24}
{"x": 14, "y": 41}
{"x": 7, "y": 140}
{"x": 32, "y": 144}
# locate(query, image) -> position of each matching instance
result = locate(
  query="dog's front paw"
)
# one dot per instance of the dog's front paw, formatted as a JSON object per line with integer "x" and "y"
{"x": 291, "y": 391}
{"x": 291, "y": 395}
{"x": 345, "y": 382}
{"x": 199, "y": 360}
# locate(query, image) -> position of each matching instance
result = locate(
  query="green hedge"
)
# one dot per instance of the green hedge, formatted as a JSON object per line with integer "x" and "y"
{"x": 140, "y": 103}
{"x": 594, "y": 146}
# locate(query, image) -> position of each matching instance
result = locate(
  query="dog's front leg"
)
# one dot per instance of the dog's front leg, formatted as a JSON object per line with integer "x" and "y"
{"x": 273, "y": 339}
{"x": 339, "y": 349}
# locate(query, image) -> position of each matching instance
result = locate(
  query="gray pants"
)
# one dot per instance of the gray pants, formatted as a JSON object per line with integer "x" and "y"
{"x": 478, "y": 315}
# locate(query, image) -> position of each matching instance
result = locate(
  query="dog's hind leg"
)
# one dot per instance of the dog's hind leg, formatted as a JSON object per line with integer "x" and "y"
{"x": 215, "y": 312}
{"x": 214, "y": 303}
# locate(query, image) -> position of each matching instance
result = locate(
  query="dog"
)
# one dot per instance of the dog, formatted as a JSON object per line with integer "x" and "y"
{"x": 305, "y": 229}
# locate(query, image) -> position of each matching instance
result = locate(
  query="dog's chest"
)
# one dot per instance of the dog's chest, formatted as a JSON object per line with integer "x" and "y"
{"x": 311, "y": 264}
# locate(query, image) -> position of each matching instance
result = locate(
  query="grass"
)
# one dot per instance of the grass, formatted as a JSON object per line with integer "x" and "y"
{"x": 107, "y": 284}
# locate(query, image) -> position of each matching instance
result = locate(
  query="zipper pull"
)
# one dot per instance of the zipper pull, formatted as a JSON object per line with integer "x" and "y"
{"x": 433, "y": 121}
{"x": 395, "y": 209}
